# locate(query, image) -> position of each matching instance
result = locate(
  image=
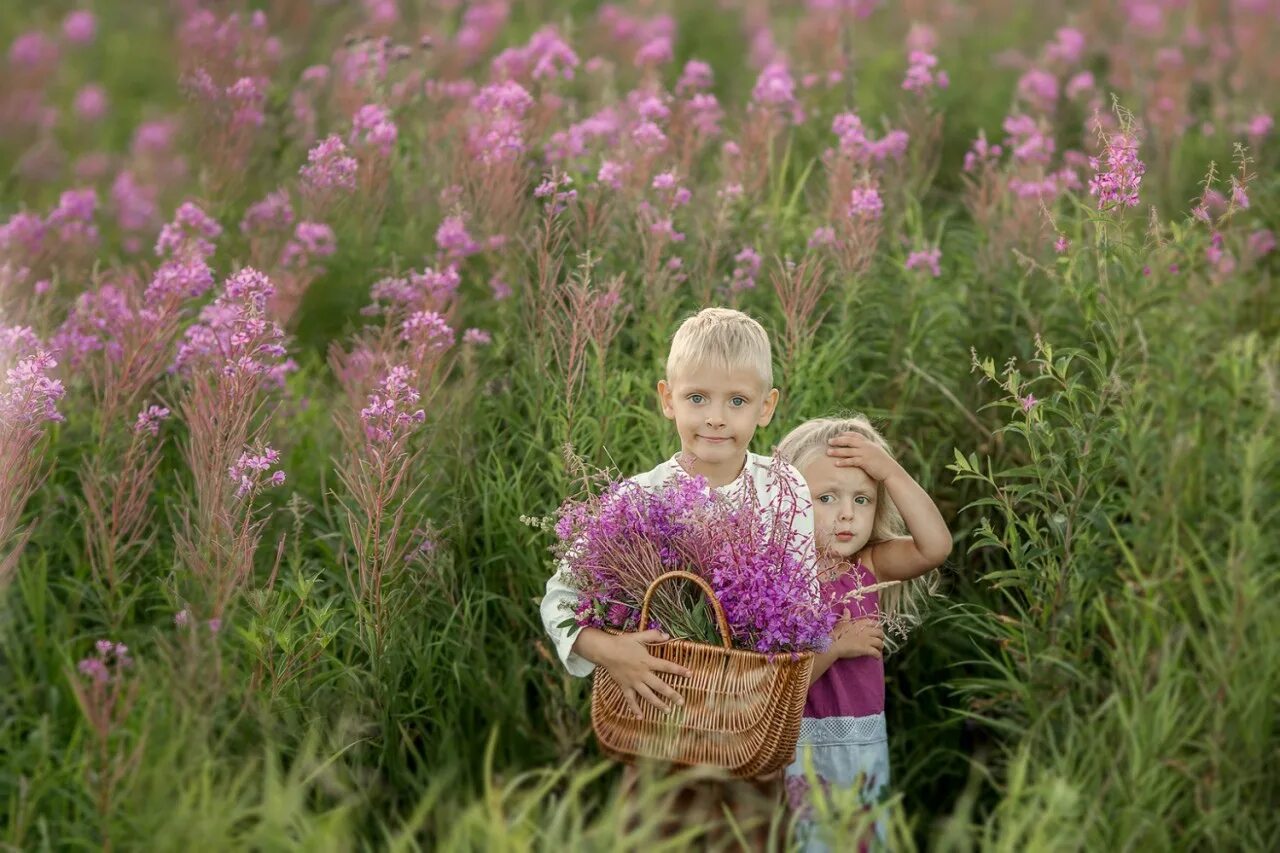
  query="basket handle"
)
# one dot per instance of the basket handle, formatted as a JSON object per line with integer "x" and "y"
{"x": 721, "y": 620}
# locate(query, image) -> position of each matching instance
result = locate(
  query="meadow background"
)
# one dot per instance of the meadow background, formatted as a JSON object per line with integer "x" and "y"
{"x": 264, "y": 576}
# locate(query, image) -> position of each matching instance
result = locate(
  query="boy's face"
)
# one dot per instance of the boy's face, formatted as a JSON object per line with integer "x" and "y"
{"x": 717, "y": 412}
{"x": 844, "y": 506}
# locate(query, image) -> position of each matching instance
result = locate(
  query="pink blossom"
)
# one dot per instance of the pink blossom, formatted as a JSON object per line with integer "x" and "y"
{"x": 822, "y": 236}
{"x": 696, "y": 77}
{"x": 656, "y": 51}
{"x": 1079, "y": 84}
{"x": 926, "y": 259}
{"x": 478, "y": 337}
{"x": 329, "y": 167}
{"x": 1040, "y": 88}
{"x": 248, "y": 471}
{"x": 427, "y": 331}
{"x": 499, "y": 288}
{"x": 79, "y": 27}
{"x": 981, "y": 153}
{"x": 1061, "y": 244}
{"x": 610, "y": 174}
{"x": 1067, "y": 46}
{"x": 192, "y": 230}
{"x": 33, "y": 51}
{"x": 1118, "y": 182}
{"x": 746, "y": 265}
{"x": 1027, "y": 402}
{"x": 272, "y": 213}
{"x": 865, "y": 203}
{"x": 1259, "y": 126}
{"x": 311, "y": 242}
{"x": 1238, "y": 196}
{"x": 776, "y": 89}
{"x": 372, "y": 126}
{"x": 391, "y": 413}
{"x": 91, "y": 102}
{"x": 149, "y": 420}
{"x": 453, "y": 239}
{"x": 921, "y": 76}
{"x": 29, "y": 393}
{"x": 182, "y": 618}
{"x": 1261, "y": 243}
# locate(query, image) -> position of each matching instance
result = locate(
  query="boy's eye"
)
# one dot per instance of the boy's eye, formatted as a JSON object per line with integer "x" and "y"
{"x": 738, "y": 402}
{"x": 696, "y": 398}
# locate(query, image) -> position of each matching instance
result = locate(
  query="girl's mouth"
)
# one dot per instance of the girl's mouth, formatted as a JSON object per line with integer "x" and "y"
{"x": 844, "y": 537}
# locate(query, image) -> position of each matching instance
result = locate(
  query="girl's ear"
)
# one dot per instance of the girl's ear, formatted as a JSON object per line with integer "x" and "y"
{"x": 770, "y": 404}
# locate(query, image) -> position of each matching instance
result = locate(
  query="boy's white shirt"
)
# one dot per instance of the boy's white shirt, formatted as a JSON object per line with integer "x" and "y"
{"x": 560, "y": 598}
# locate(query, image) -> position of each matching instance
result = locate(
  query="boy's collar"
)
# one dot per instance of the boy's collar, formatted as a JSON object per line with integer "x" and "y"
{"x": 753, "y": 460}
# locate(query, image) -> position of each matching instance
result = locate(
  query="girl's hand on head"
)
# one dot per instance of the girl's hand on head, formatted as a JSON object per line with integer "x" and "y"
{"x": 636, "y": 671}
{"x": 856, "y": 638}
{"x": 851, "y": 449}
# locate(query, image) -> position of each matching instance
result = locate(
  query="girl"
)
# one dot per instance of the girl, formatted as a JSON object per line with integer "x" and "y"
{"x": 863, "y": 504}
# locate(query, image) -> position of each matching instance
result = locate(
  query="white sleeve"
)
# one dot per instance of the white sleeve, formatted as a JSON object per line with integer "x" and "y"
{"x": 557, "y": 606}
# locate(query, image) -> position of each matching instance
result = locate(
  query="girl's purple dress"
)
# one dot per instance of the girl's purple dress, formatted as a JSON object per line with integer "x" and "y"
{"x": 843, "y": 732}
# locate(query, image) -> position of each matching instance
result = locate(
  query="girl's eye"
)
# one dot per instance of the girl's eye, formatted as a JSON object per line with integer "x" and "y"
{"x": 695, "y": 398}
{"x": 862, "y": 500}
{"x": 739, "y": 401}
{"x": 826, "y": 499}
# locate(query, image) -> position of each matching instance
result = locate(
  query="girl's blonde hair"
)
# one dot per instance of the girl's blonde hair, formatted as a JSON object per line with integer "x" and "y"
{"x": 900, "y": 604}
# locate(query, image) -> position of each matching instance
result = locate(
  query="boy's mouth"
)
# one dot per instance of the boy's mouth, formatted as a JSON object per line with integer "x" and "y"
{"x": 715, "y": 439}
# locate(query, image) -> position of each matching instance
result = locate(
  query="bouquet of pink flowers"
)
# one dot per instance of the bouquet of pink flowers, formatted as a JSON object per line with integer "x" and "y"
{"x": 617, "y": 542}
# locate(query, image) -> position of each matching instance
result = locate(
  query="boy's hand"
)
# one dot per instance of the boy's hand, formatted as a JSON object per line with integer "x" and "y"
{"x": 851, "y": 449}
{"x": 855, "y": 638}
{"x": 636, "y": 671}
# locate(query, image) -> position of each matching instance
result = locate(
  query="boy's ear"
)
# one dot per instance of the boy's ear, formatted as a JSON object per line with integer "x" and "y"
{"x": 770, "y": 403}
{"x": 665, "y": 400}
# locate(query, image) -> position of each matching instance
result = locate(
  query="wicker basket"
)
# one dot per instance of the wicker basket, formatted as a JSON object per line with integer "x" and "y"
{"x": 741, "y": 709}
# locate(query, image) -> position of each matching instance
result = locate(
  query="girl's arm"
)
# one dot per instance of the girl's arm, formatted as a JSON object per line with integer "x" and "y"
{"x": 851, "y": 638}
{"x": 929, "y": 541}
{"x": 929, "y": 544}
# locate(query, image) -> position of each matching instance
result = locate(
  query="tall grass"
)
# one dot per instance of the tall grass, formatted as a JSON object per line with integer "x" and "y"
{"x": 1098, "y": 424}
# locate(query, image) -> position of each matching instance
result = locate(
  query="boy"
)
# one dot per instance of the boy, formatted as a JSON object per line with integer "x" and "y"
{"x": 718, "y": 390}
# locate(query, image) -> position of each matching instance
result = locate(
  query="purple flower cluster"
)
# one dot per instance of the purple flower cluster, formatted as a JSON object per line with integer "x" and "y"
{"x": 926, "y": 259}
{"x": 921, "y": 73}
{"x": 29, "y": 393}
{"x": 329, "y": 167}
{"x": 616, "y": 543}
{"x": 192, "y": 230}
{"x": 865, "y": 203}
{"x": 109, "y": 656}
{"x": 372, "y": 126}
{"x": 149, "y": 420}
{"x": 249, "y": 472}
{"x": 1117, "y": 183}
{"x": 234, "y": 334}
{"x": 392, "y": 411}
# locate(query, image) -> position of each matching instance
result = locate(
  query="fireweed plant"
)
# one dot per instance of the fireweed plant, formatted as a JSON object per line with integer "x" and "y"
{"x": 299, "y": 303}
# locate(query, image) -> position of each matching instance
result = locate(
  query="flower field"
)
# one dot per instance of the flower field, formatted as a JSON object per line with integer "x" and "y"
{"x": 303, "y": 302}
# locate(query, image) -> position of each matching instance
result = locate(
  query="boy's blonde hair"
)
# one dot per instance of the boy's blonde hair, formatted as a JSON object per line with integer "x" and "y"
{"x": 900, "y": 604}
{"x": 724, "y": 339}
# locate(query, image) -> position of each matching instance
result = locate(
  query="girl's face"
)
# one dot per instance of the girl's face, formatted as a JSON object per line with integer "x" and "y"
{"x": 844, "y": 507}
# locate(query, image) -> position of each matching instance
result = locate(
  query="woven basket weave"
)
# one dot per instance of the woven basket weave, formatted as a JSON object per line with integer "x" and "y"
{"x": 741, "y": 709}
